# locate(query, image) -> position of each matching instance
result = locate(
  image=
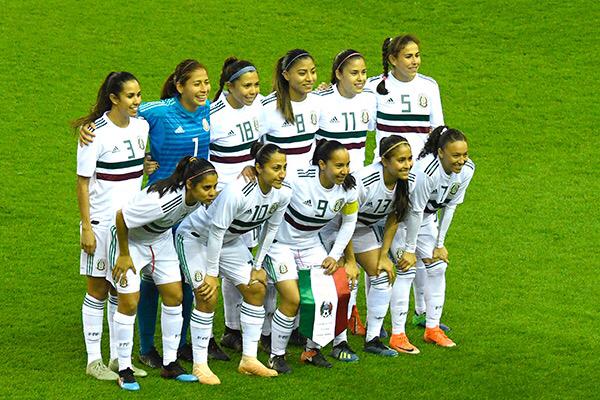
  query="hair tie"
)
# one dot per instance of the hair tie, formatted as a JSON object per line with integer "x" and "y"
{"x": 203, "y": 172}
{"x": 249, "y": 68}
{"x": 394, "y": 146}
{"x": 290, "y": 62}
{"x": 346, "y": 59}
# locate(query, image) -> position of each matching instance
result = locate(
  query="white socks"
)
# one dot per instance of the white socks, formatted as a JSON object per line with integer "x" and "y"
{"x": 378, "y": 301}
{"x": 124, "y": 338}
{"x": 92, "y": 312}
{"x": 281, "y": 329}
{"x": 270, "y": 307}
{"x": 419, "y": 287}
{"x": 251, "y": 319}
{"x": 342, "y": 337}
{"x": 111, "y": 309}
{"x": 201, "y": 325}
{"x": 171, "y": 322}
{"x": 435, "y": 291}
{"x": 400, "y": 300}
{"x": 232, "y": 299}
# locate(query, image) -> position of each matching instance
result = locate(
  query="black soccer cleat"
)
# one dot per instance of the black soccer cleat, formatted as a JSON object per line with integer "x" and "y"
{"x": 279, "y": 364}
{"x": 215, "y": 352}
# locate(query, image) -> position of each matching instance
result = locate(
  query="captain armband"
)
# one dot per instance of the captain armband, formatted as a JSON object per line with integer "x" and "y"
{"x": 350, "y": 208}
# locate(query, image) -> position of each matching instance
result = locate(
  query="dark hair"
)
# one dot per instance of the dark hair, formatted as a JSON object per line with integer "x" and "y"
{"x": 282, "y": 86}
{"x": 401, "y": 200}
{"x": 262, "y": 152}
{"x": 392, "y": 47}
{"x": 113, "y": 84}
{"x": 187, "y": 168}
{"x": 323, "y": 152}
{"x": 439, "y": 138}
{"x": 341, "y": 59}
{"x": 230, "y": 66}
{"x": 182, "y": 73}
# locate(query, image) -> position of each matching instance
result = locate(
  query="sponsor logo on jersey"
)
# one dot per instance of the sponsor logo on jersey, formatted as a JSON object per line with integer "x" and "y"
{"x": 334, "y": 120}
{"x": 141, "y": 143}
{"x": 313, "y": 117}
{"x": 205, "y": 124}
{"x": 283, "y": 268}
{"x": 198, "y": 276}
{"x": 273, "y": 208}
{"x": 454, "y": 188}
{"x": 101, "y": 265}
{"x": 308, "y": 203}
{"x": 390, "y": 101}
{"x": 231, "y": 133}
{"x": 434, "y": 191}
{"x": 364, "y": 116}
{"x": 326, "y": 309}
{"x": 286, "y": 124}
{"x": 369, "y": 204}
{"x": 256, "y": 124}
{"x": 338, "y": 205}
{"x": 116, "y": 149}
{"x": 248, "y": 212}
{"x": 179, "y": 129}
{"x": 423, "y": 100}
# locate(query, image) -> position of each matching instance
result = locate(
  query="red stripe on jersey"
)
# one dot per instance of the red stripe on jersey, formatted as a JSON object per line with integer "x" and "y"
{"x": 403, "y": 129}
{"x": 298, "y": 150}
{"x": 119, "y": 177}
{"x": 353, "y": 146}
{"x": 231, "y": 159}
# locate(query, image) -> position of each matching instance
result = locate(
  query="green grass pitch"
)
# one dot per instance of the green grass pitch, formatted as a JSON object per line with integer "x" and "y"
{"x": 519, "y": 77}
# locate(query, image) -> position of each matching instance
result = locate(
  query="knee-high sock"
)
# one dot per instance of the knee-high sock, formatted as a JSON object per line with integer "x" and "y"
{"x": 297, "y": 321}
{"x": 201, "y": 325}
{"x": 147, "y": 309}
{"x": 124, "y": 337}
{"x": 170, "y": 323}
{"x": 186, "y": 312}
{"x": 110, "y": 313}
{"x": 281, "y": 329}
{"x": 92, "y": 313}
{"x": 342, "y": 337}
{"x": 232, "y": 300}
{"x": 270, "y": 307}
{"x": 419, "y": 287}
{"x": 251, "y": 319}
{"x": 435, "y": 291}
{"x": 400, "y": 300}
{"x": 352, "y": 300}
{"x": 378, "y": 301}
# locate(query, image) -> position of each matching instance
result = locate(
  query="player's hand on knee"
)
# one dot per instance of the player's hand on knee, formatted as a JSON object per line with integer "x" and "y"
{"x": 123, "y": 264}
{"x": 330, "y": 265}
{"x": 386, "y": 265}
{"x": 440, "y": 253}
{"x": 86, "y": 136}
{"x": 209, "y": 287}
{"x": 408, "y": 260}
{"x": 88, "y": 241}
{"x": 258, "y": 276}
{"x": 352, "y": 271}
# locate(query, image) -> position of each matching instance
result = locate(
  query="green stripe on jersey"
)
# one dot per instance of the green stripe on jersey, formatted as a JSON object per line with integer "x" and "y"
{"x": 342, "y": 135}
{"x": 293, "y": 139}
{"x": 402, "y": 117}
{"x": 122, "y": 164}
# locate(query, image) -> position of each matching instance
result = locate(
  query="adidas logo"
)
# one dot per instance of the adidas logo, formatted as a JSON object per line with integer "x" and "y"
{"x": 390, "y": 101}
{"x": 248, "y": 212}
{"x": 179, "y": 129}
{"x": 434, "y": 191}
{"x": 369, "y": 204}
{"x": 334, "y": 120}
{"x": 231, "y": 133}
{"x": 308, "y": 203}
{"x": 116, "y": 150}
{"x": 286, "y": 123}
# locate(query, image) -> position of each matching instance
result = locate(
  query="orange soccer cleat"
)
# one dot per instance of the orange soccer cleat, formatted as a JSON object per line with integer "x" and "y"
{"x": 401, "y": 344}
{"x": 437, "y": 336}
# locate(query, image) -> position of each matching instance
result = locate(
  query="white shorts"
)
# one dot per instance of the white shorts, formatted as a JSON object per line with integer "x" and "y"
{"x": 250, "y": 239}
{"x": 235, "y": 261}
{"x": 426, "y": 239}
{"x": 283, "y": 262}
{"x": 158, "y": 261}
{"x": 364, "y": 238}
{"x": 98, "y": 264}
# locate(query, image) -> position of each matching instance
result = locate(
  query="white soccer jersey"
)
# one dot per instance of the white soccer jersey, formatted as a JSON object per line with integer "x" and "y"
{"x": 347, "y": 121}
{"x": 374, "y": 198}
{"x": 432, "y": 189}
{"x": 410, "y": 109}
{"x": 232, "y": 134}
{"x": 311, "y": 208}
{"x": 298, "y": 138}
{"x": 114, "y": 164}
{"x": 239, "y": 208}
{"x": 150, "y": 217}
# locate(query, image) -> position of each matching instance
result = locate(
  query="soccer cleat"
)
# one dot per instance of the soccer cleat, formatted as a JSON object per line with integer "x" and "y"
{"x": 436, "y": 335}
{"x": 383, "y": 333}
{"x": 314, "y": 357}
{"x": 279, "y": 364}
{"x": 185, "y": 353}
{"x": 232, "y": 340}
{"x": 205, "y": 375}
{"x": 355, "y": 325}
{"x": 98, "y": 370}
{"x": 127, "y": 381}
{"x": 297, "y": 339}
{"x": 343, "y": 352}
{"x": 176, "y": 371}
{"x": 251, "y": 366}
{"x": 265, "y": 343}
{"x": 215, "y": 352}
{"x": 401, "y": 344}
{"x": 420, "y": 319}
{"x": 151, "y": 359}
{"x": 375, "y": 346}
{"x": 114, "y": 366}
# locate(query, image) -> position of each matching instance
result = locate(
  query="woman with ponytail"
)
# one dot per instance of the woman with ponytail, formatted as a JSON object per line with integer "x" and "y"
{"x": 408, "y": 103}
{"x": 209, "y": 244}
{"x": 146, "y": 247}
{"x": 438, "y": 183}
{"x": 292, "y": 112}
{"x": 106, "y": 179}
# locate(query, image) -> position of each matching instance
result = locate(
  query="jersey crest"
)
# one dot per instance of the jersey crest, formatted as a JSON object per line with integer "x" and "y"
{"x": 423, "y": 100}
{"x": 337, "y": 206}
